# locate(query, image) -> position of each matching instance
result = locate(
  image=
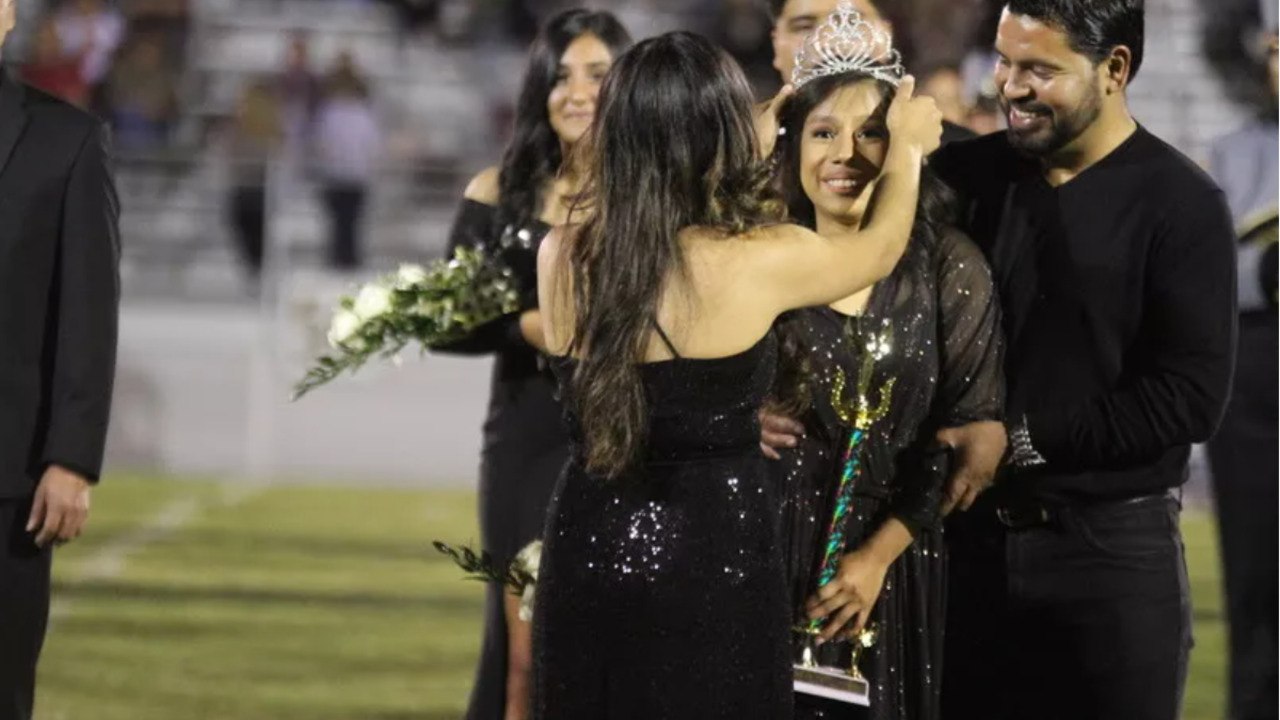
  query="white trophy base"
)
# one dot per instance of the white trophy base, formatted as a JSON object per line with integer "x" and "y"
{"x": 832, "y": 684}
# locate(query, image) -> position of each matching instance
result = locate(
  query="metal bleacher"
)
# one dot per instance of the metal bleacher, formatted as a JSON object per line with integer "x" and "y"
{"x": 435, "y": 104}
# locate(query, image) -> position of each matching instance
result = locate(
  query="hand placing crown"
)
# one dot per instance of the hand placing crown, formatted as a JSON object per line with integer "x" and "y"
{"x": 845, "y": 42}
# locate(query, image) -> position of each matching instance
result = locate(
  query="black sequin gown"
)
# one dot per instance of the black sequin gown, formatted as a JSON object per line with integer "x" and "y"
{"x": 525, "y": 442}
{"x": 945, "y": 354}
{"x": 661, "y": 594}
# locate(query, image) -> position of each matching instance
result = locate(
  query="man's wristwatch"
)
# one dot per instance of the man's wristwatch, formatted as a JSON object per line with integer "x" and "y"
{"x": 1021, "y": 453}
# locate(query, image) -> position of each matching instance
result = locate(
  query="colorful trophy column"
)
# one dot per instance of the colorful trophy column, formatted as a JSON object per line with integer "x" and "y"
{"x": 858, "y": 412}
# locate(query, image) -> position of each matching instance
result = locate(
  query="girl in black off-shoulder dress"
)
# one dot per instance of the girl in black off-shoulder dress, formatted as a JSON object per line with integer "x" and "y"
{"x": 938, "y": 318}
{"x": 507, "y": 211}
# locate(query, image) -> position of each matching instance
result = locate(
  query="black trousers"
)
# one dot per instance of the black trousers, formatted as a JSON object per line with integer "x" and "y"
{"x": 1085, "y": 616}
{"x": 249, "y": 216}
{"x": 346, "y": 205}
{"x": 1246, "y": 485}
{"x": 24, "y": 609}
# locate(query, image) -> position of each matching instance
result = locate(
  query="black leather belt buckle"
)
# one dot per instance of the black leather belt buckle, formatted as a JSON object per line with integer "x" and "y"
{"x": 1017, "y": 518}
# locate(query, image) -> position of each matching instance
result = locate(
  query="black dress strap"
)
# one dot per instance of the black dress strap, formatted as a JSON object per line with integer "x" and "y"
{"x": 666, "y": 340}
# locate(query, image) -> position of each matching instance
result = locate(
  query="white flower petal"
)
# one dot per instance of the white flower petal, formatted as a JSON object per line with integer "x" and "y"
{"x": 526, "y": 603}
{"x": 373, "y": 301}
{"x": 343, "y": 326}
{"x": 410, "y": 274}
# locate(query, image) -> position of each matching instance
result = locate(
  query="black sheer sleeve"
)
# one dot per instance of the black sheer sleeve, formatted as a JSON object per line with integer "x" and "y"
{"x": 475, "y": 226}
{"x": 971, "y": 387}
{"x": 971, "y": 378}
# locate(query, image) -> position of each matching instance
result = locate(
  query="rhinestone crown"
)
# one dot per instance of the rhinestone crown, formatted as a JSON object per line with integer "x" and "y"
{"x": 846, "y": 42}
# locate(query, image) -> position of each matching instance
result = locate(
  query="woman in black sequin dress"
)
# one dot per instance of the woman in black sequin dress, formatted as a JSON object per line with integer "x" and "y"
{"x": 525, "y": 442}
{"x": 661, "y": 593}
{"x": 939, "y": 318}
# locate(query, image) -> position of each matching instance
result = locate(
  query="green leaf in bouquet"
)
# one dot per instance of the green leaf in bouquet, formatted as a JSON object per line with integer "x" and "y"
{"x": 445, "y": 301}
{"x": 481, "y": 566}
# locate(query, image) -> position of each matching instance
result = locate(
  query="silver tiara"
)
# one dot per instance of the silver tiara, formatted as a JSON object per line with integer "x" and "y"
{"x": 845, "y": 42}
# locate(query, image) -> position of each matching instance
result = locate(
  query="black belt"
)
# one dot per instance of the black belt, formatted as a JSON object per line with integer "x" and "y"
{"x": 1021, "y": 514}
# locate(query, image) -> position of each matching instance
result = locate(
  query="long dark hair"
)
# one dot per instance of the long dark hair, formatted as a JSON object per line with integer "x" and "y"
{"x": 673, "y": 146}
{"x": 533, "y": 156}
{"x": 935, "y": 212}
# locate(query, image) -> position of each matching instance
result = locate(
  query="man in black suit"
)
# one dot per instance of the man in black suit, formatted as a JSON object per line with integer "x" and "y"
{"x": 59, "y": 294}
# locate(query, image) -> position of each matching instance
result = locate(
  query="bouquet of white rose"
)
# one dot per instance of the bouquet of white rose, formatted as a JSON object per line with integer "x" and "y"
{"x": 433, "y": 306}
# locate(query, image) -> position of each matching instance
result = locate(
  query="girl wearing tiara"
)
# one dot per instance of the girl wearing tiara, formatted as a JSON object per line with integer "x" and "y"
{"x": 934, "y": 326}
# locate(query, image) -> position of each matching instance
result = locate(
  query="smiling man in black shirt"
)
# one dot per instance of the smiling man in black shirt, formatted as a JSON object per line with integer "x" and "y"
{"x": 1114, "y": 257}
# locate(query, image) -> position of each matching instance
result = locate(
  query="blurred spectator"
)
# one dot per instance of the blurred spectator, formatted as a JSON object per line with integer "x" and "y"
{"x": 347, "y": 142}
{"x": 169, "y": 20}
{"x": 984, "y": 116}
{"x": 256, "y": 133}
{"x": 977, "y": 71}
{"x": 741, "y": 27}
{"x": 978, "y": 65}
{"x": 298, "y": 90}
{"x": 142, "y": 95}
{"x": 1228, "y": 25}
{"x": 522, "y": 18}
{"x": 92, "y": 30}
{"x": 1244, "y": 453}
{"x": 54, "y": 70}
{"x": 931, "y": 33}
{"x": 946, "y": 87}
{"x": 1243, "y": 162}
{"x": 414, "y": 16}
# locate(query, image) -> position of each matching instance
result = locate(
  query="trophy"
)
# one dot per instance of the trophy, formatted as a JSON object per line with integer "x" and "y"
{"x": 844, "y": 684}
{"x": 833, "y": 683}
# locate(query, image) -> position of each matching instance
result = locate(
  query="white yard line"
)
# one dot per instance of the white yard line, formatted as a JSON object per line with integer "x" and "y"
{"x": 109, "y": 560}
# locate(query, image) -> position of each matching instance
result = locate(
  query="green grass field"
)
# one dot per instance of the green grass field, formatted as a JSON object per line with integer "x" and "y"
{"x": 187, "y": 601}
